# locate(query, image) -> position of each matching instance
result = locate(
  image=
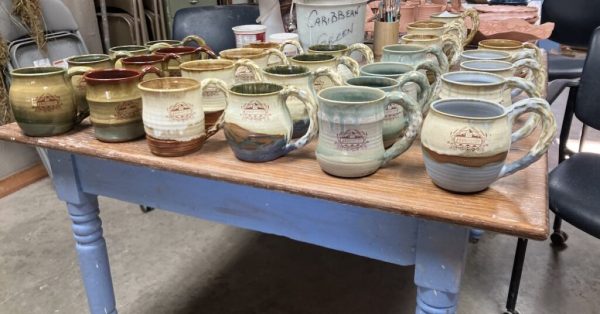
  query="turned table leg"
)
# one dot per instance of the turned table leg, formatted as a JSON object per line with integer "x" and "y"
{"x": 87, "y": 231}
{"x": 439, "y": 265}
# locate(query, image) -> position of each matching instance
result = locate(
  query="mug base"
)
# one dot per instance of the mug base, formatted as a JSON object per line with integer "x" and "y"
{"x": 172, "y": 148}
{"x": 45, "y": 129}
{"x": 116, "y": 133}
{"x": 348, "y": 169}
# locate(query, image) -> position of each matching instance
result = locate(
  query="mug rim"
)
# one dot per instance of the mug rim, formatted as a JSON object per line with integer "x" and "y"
{"x": 388, "y": 48}
{"x": 37, "y": 71}
{"x": 166, "y": 41}
{"x": 411, "y": 25}
{"x": 233, "y": 53}
{"x": 431, "y": 37}
{"x": 468, "y": 100}
{"x": 312, "y": 48}
{"x": 128, "y": 60}
{"x": 190, "y": 66}
{"x": 306, "y": 70}
{"x": 468, "y": 54}
{"x": 114, "y": 49}
{"x": 133, "y": 75}
{"x": 181, "y": 50}
{"x": 353, "y": 88}
{"x": 272, "y": 44}
{"x": 409, "y": 66}
{"x": 391, "y": 80}
{"x": 500, "y": 79}
{"x": 316, "y": 61}
{"x": 195, "y": 85}
{"x": 465, "y": 65}
{"x": 485, "y": 44}
{"x": 101, "y": 58}
{"x": 231, "y": 91}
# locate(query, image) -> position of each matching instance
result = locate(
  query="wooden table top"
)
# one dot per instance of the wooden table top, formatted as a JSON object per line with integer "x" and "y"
{"x": 515, "y": 205}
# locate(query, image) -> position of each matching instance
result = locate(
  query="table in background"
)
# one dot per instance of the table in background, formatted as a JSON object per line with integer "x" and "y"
{"x": 396, "y": 215}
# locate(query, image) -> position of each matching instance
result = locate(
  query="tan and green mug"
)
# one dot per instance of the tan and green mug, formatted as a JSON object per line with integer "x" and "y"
{"x": 116, "y": 103}
{"x": 42, "y": 100}
{"x": 316, "y": 61}
{"x": 275, "y": 45}
{"x": 448, "y": 43}
{"x": 261, "y": 57}
{"x": 173, "y": 115}
{"x": 92, "y": 61}
{"x": 185, "y": 54}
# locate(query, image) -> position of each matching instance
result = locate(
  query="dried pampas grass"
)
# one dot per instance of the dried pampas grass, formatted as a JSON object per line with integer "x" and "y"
{"x": 30, "y": 14}
{"x": 5, "y": 112}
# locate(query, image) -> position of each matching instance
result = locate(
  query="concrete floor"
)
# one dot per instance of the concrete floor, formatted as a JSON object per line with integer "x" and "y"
{"x": 166, "y": 263}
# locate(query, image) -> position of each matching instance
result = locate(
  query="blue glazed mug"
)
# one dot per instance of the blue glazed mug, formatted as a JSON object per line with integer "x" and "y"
{"x": 466, "y": 142}
{"x": 351, "y": 126}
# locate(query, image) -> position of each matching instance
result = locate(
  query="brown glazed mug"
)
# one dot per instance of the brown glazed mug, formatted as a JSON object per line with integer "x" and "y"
{"x": 160, "y": 62}
{"x": 185, "y": 54}
{"x": 42, "y": 100}
{"x": 116, "y": 103}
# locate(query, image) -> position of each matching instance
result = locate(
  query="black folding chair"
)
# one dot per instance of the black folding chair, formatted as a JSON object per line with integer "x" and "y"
{"x": 574, "y": 186}
{"x": 214, "y": 23}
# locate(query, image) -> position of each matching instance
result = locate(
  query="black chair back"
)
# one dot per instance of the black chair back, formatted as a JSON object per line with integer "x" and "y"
{"x": 213, "y": 23}
{"x": 575, "y": 20}
{"x": 587, "y": 108}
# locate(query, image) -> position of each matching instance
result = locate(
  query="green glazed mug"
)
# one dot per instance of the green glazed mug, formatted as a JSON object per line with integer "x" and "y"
{"x": 42, "y": 100}
{"x": 351, "y": 126}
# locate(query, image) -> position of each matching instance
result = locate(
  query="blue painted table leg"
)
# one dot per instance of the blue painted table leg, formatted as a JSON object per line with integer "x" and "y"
{"x": 475, "y": 235}
{"x": 87, "y": 231}
{"x": 439, "y": 265}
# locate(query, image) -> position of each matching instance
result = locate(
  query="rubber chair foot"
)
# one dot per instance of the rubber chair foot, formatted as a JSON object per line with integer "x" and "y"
{"x": 559, "y": 238}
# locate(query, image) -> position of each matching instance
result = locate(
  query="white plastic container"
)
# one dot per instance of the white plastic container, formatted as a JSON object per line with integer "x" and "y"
{"x": 245, "y": 34}
{"x": 330, "y": 21}
{"x": 289, "y": 50}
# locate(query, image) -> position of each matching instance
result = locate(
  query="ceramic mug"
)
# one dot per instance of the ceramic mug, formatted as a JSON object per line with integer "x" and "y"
{"x": 173, "y": 116}
{"x": 420, "y": 90}
{"x": 213, "y": 99}
{"x": 304, "y": 79}
{"x": 351, "y": 125}
{"x": 466, "y": 142}
{"x": 448, "y": 43}
{"x": 168, "y": 43}
{"x": 394, "y": 121}
{"x": 315, "y": 61}
{"x": 449, "y": 17}
{"x": 160, "y": 62}
{"x": 185, "y": 54}
{"x": 438, "y": 28}
{"x": 339, "y": 50}
{"x": 261, "y": 57}
{"x": 128, "y": 50}
{"x": 492, "y": 55}
{"x": 258, "y": 125}
{"x": 517, "y": 49}
{"x": 116, "y": 103}
{"x": 414, "y": 55}
{"x": 42, "y": 100}
{"x": 277, "y": 45}
{"x": 93, "y": 61}
{"x": 506, "y": 70}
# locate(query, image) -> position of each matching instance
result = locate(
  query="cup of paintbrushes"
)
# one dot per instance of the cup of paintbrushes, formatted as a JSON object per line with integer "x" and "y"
{"x": 385, "y": 33}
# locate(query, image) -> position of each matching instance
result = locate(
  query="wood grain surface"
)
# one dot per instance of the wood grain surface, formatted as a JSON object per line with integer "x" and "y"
{"x": 515, "y": 205}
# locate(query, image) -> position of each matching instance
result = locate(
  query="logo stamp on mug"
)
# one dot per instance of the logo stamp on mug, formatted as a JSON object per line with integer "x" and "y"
{"x": 180, "y": 111}
{"x": 255, "y": 111}
{"x": 352, "y": 140}
{"x": 468, "y": 139}
{"x": 46, "y": 103}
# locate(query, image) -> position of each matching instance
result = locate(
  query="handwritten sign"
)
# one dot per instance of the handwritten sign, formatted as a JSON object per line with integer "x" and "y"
{"x": 343, "y": 24}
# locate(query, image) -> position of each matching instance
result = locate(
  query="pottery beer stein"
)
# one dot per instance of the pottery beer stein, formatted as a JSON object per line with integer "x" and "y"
{"x": 315, "y": 61}
{"x": 394, "y": 121}
{"x": 303, "y": 79}
{"x": 160, "y": 62}
{"x": 92, "y": 61}
{"x": 351, "y": 125}
{"x": 414, "y": 55}
{"x": 173, "y": 116}
{"x": 116, "y": 103}
{"x": 213, "y": 99}
{"x": 258, "y": 125}
{"x": 466, "y": 142}
{"x": 448, "y": 43}
{"x": 261, "y": 57}
{"x": 42, "y": 100}
{"x": 449, "y": 17}
{"x": 507, "y": 70}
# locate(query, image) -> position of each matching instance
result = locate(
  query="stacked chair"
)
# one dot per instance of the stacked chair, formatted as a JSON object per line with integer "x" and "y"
{"x": 153, "y": 10}
{"x": 127, "y": 22}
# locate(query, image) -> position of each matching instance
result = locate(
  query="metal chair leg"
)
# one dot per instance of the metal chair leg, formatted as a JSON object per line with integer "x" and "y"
{"x": 558, "y": 237}
{"x": 515, "y": 278}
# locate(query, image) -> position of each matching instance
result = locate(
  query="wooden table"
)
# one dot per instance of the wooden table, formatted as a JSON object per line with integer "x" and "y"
{"x": 396, "y": 215}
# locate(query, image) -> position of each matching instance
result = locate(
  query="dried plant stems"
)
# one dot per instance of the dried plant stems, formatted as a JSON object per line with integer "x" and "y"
{"x": 5, "y": 112}
{"x": 30, "y": 14}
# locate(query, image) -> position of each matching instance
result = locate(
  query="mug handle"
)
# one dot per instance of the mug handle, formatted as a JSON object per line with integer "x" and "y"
{"x": 531, "y": 91}
{"x": 168, "y": 57}
{"x": 204, "y": 49}
{"x": 251, "y": 66}
{"x": 80, "y": 70}
{"x": 157, "y": 46}
{"x": 150, "y": 69}
{"x": 222, "y": 86}
{"x": 324, "y": 71}
{"x": 278, "y": 54}
{"x": 437, "y": 72}
{"x": 424, "y": 88}
{"x": 312, "y": 115}
{"x": 539, "y": 107}
{"x": 363, "y": 50}
{"x": 412, "y": 111}
{"x": 349, "y": 63}
{"x": 536, "y": 73}
{"x": 537, "y": 52}
{"x": 452, "y": 43}
{"x": 474, "y": 15}
{"x": 116, "y": 59}
{"x": 294, "y": 43}
{"x": 197, "y": 39}
{"x": 456, "y": 28}
{"x": 440, "y": 56}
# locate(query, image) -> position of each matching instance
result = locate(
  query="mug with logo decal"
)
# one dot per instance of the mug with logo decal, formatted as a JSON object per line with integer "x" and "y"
{"x": 116, "y": 103}
{"x": 161, "y": 62}
{"x": 466, "y": 142}
{"x": 173, "y": 116}
{"x": 185, "y": 54}
{"x": 351, "y": 125}
{"x": 258, "y": 125}
{"x": 42, "y": 100}
{"x": 315, "y": 61}
{"x": 261, "y": 57}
